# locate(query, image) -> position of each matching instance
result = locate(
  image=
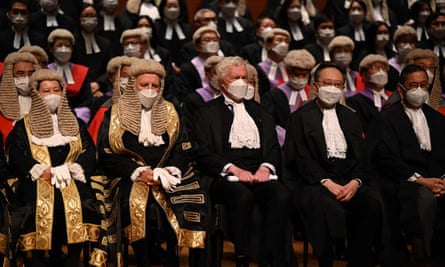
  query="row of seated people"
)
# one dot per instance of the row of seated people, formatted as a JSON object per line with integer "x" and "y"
{"x": 144, "y": 147}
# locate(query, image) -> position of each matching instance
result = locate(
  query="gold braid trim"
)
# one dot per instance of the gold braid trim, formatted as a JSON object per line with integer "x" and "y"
{"x": 77, "y": 232}
{"x": 138, "y": 206}
{"x": 3, "y": 243}
{"x": 98, "y": 258}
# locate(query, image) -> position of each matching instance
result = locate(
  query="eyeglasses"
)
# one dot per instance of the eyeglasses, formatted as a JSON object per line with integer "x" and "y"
{"x": 131, "y": 43}
{"x": 377, "y": 67}
{"x": 414, "y": 85}
{"x": 338, "y": 84}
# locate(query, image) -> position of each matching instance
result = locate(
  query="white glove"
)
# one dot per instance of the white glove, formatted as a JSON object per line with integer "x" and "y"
{"x": 168, "y": 181}
{"x": 60, "y": 176}
{"x": 174, "y": 171}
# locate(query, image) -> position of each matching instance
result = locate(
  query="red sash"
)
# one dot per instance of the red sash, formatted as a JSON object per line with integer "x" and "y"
{"x": 93, "y": 129}
{"x": 6, "y": 126}
{"x": 79, "y": 73}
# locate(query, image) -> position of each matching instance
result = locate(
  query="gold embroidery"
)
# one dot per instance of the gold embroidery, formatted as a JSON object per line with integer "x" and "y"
{"x": 190, "y": 186}
{"x": 186, "y": 145}
{"x": 195, "y": 198}
{"x": 3, "y": 243}
{"x": 44, "y": 215}
{"x": 138, "y": 205}
{"x": 98, "y": 258}
{"x": 185, "y": 237}
{"x": 192, "y": 216}
{"x": 77, "y": 232}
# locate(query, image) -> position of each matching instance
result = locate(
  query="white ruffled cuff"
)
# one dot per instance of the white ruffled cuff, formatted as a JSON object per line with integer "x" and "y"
{"x": 136, "y": 173}
{"x": 77, "y": 172}
{"x": 174, "y": 171}
{"x": 37, "y": 171}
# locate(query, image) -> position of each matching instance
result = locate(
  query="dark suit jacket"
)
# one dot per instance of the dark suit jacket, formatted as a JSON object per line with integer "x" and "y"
{"x": 307, "y": 34}
{"x": 173, "y": 45}
{"x": 112, "y": 36}
{"x": 237, "y": 39}
{"x": 364, "y": 107}
{"x": 38, "y": 23}
{"x": 187, "y": 81}
{"x": 251, "y": 53}
{"x": 316, "y": 51}
{"x": 96, "y": 62}
{"x": 305, "y": 147}
{"x": 394, "y": 154}
{"x": 7, "y": 43}
{"x": 211, "y": 133}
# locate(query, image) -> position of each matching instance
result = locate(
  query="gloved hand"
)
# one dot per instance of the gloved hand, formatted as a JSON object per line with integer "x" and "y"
{"x": 61, "y": 176}
{"x": 168, "y": 181}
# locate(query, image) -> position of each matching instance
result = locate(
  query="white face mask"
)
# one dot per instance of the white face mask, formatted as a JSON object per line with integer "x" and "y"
{"x": 416, "y": 97}
{"x": 382, "y": 39}
{"x": 49, "y": 6}
{"x": 281, "y": 49}
{"x": 343, "y": 59}
{"x": 430, "y": 77}
{"x": 380, "y": 78}
{"x": 250, "y": 93}
{"x": 172, "y": 13}
{"x": 356, "y": 17}
{"x": 132, "y": 50}
{"x": 62, "y": 54}
{"x": 109, "y": 5}
{"x": 264, "y": 32}
{"x": 238, "y": 89}
{"x": 22, "y": 85}
{"x": 52, "y": 101}
{"x": 229, "y": 9}
{"x": 422, "y": 16}
{"x": 404, "y": 48}
{"x": 326, "y": 35}
{"x": 210, "y": 47}
{"x": 147, "y": 97}
{"x": 297, "y": 83}
{"x": 19, "y": 21}
{"x": 294, "y": 14}
{"x": 147, "y": 31}
{"x": 88, "y": 24}
{"x": 330, "y": 94}
{"x": 212, "y": 24}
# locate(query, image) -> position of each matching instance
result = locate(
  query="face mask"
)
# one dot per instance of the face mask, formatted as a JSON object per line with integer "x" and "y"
{"x": 376, "y": 2}
{"x": 326, "y": 35}
{"x": 238, "y": 89}
{"x": 49, "y": 6}
{"x": 19, "y": 20}
{"x": 147, "y": 31}
{"x": 172, "y": 13}
{"x": 380, "y": 78}
{"x": 438, "y": 33}
{"x": 329, "y": 94}
{"x": 297, "y": 83}
{"x": 229, "y": 9}
{"x": 404, "y": 48}
{"x": 281, "y": 49}
{"x": 109, "y": 5}
{"x": 147, "y": 97}
{"x": 62, "y": 54}
{"x": 264, "y": 32}
{"x": 294, "y": 14}
{"x": 213, "y": 25}
{"x": 88, "y": 24}
{"x": 381, "y": 39}
{"x": 52, "y": 101}
{"x": 132, "y": 50}
{"x": 250, "y": 93}
{"x": 430, "y": 77}
{"x": 422, "y": 16}
{"x": 343, "y": 59}
{"x": 122, "y": 83}
{"x": 214, "y": 83}
{"x": 22, "y": 85}
{"x": 356, "y": 17}
{"x": 416, "y": 97}
{"x": 210, "y": 47}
